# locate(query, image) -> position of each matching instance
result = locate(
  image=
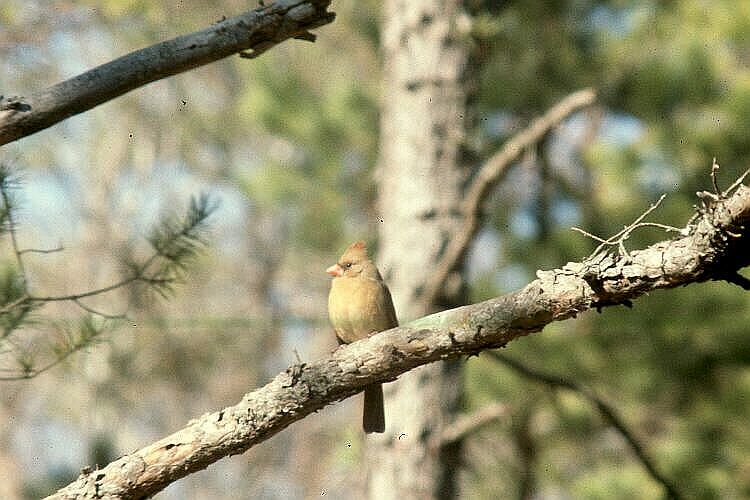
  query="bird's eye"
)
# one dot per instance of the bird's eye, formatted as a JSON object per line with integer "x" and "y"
{"x": 348, "y": 265}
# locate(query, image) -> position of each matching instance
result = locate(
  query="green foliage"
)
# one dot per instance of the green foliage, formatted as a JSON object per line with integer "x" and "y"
{"x": 176, "y": 241}
{"x": 8, "y": 183}
{"x": 14, "y": 310}
{"x": 674, "y": 364}
{"x": 73, "y": 336}
{"x": 28, "y": 348}
{"x": 315, "y": 173}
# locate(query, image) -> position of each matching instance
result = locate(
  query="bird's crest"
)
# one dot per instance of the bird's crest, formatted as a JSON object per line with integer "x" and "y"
{"x": 356, "y": 252}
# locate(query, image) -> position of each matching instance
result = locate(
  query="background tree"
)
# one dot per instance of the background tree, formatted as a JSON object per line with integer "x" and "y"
{"x": 422, "y": 166}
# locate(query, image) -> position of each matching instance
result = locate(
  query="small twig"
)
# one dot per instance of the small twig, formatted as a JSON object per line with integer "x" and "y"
{"x": 605, "y": 410}
{"x": 736, "y": 184}
{"x": 75, "y": 296}
{"x": 667, "y": 228}
{"x": 465, "y": 425}
{"x": 628, "y": 229}
{"x": 140, "y": 273}
{"x": 31, "y": 373}
{"x": 13, "y": 239}
{"x": 714, "y": 170}
{"x": 12, "y": 305}
{"x": 59, "y": 248}
{"x": 26, "y": 371}
{"x": 99, "y": 313}
{"x": 592, "y": 236}
{"x": 619, "y": 238}
{"x": 621, "y": 247}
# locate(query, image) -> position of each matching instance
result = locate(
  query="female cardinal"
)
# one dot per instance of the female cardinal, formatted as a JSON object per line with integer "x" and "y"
{"x": 359, "y": 305}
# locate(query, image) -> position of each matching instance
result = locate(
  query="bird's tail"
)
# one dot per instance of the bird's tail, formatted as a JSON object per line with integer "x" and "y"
{"x": 373, "y": 417}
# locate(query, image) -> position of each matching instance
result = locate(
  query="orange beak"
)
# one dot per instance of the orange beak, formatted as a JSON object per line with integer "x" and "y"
{"x": 335, "y": 270}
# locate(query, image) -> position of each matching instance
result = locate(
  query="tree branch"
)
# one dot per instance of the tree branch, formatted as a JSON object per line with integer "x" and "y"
{"x": 714, "y": 243}
{"x": 605, "y": 410}
{"x": 492, "y": 172}
{"x": 256, "y": 31}
{"x": 467, "y": 424}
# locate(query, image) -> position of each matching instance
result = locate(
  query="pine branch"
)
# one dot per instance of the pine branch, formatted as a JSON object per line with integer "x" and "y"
{"x": 175, "y": 242}
{"x": 8, "y": 183}
{"x": 13, "y": 293}
{"x": 69, "y": 341}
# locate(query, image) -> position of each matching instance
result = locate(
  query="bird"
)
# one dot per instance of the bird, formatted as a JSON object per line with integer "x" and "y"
{"x": 360, "y": 305}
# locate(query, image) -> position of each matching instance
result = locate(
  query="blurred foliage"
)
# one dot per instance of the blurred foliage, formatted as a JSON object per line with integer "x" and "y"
{"x": 176, "y": 242}
{"x": 326, "y": 125}
{"x": 295, "y": 133}
{"x": 31, "y": 345}
{"x": 673, "y": 82}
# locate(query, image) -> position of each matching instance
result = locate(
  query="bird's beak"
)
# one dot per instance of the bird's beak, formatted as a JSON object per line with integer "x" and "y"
{"x": 335, "y": 270}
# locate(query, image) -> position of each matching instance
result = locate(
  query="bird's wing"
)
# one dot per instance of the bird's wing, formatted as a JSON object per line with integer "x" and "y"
{"x": 388, "y": 310}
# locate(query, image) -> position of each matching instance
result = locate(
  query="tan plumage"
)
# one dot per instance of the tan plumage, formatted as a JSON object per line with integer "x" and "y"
{"x": 360, "y": 305}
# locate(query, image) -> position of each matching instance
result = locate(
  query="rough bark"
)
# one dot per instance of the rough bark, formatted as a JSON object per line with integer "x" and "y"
{"x": 421, "y": 172}
{"x": 713, "y": 246}
{"x": 255, "y": 31}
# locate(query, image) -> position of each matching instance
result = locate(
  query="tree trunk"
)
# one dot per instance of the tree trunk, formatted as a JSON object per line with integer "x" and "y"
{"x": 421, "y": 171}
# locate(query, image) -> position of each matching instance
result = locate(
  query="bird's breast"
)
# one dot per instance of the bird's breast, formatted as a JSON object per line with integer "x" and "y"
{"x": 354, "y": 308}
